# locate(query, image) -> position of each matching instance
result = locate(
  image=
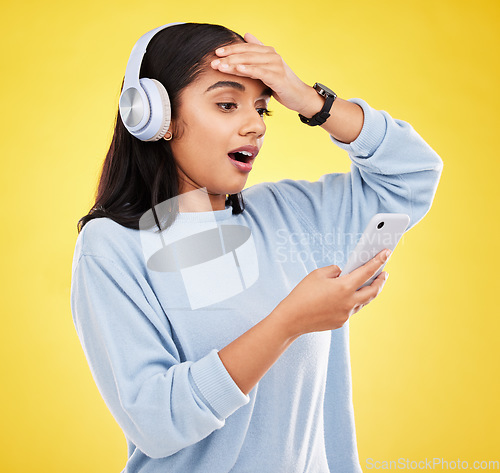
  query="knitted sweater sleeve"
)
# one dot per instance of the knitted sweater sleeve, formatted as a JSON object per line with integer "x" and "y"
{"x": 392, "y": 170}
{"x": 161, "y": 403}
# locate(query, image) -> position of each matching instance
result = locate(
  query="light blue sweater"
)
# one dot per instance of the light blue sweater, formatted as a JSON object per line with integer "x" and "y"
{"x": 154, "y": 357}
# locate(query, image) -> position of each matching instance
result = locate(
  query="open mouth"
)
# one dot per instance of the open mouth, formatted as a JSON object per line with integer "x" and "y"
{"x": 241, "y": 156}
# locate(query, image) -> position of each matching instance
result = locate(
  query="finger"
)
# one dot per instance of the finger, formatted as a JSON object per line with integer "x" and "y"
{"x": 356, "y": 309}
{"x": 360, "y": 275}
{"x": 247, "y": 59}
{"x": 250, "y": 38}
{"x": 368, "y": 293}
{"x": 243, "y": 47}
{"x": 332, "y": 271}
{"x": 253, "y": 72}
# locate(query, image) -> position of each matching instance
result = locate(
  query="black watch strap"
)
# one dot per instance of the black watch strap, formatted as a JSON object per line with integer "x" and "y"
{"x": 321, "y": 117}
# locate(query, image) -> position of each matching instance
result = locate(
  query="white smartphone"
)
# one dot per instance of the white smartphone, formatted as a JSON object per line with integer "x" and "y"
{"x": 383, "y": 231}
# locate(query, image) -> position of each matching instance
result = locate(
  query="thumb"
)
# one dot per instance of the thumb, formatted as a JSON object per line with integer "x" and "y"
{"x": 250, "y": 38}
{"x": 332, "y": 271}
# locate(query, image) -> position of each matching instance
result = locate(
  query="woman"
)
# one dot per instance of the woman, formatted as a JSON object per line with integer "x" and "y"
{"x": 244, "y": 368}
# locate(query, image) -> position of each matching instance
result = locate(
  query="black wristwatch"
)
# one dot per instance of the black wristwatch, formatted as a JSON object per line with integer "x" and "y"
{"x": 324, "y": 113}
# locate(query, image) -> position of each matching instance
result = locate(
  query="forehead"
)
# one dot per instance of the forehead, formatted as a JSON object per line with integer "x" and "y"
{"x": 211, "y": 80}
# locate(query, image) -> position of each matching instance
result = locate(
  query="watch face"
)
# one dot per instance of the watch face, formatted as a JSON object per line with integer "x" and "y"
{"x": 323, "y": 90}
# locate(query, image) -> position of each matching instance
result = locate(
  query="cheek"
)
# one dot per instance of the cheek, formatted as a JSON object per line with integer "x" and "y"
{"x": 208, "y": 137}
{"x": 196, "y": 152}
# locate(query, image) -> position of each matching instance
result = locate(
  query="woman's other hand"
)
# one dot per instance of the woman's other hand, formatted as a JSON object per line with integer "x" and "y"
{"x": 324, "y": 301}
{"x": 255, "y": 60}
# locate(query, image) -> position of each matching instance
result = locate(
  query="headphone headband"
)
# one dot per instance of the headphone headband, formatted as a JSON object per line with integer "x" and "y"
{"x": 137, "y": 55}
{"x": 144, "y": 103}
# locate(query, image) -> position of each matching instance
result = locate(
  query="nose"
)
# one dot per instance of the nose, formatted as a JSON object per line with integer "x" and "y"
{"x": 253, "y": 123}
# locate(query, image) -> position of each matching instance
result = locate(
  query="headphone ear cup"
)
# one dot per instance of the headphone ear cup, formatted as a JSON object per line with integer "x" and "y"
{"x": 159, "y": 104}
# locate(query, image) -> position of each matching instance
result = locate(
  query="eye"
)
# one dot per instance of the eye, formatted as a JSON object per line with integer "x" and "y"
{"x": 226, "y": 106}
{"x": 264, "y": 111}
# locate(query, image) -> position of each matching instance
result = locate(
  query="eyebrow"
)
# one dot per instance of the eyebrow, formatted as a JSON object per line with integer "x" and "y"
{"x": 237, "y": 86}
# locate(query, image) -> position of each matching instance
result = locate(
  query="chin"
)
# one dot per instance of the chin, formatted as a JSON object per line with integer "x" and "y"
{"x": 235, "y": 189}
{"x": 234, "y": 186}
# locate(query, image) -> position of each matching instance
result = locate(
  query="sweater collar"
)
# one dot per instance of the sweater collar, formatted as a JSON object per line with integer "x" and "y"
{"x": 209, "y": 216}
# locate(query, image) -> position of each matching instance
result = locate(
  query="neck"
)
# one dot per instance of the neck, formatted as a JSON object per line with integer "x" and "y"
{"x": 200, "y": 200}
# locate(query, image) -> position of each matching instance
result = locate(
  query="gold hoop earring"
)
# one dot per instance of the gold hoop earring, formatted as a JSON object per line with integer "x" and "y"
{"x": 170, "y": 137}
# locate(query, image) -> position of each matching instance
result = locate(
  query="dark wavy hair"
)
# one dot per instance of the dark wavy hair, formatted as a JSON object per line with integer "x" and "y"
{"x": 137, "y": 175}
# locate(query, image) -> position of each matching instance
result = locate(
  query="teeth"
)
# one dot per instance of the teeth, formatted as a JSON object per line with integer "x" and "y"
{"x": 246, "y": 153}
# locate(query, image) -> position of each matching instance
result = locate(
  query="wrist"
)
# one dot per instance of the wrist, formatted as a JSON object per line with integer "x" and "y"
{"x": 283, "y": 325}
{"x": 313, "y": 103}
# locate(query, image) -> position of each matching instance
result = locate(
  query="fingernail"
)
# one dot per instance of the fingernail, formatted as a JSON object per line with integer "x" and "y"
{"x": 386, "y": 277}
{"x": 216, "y": 62}
{"x": 387, "y": 254}
{"x": 219, "y": 51}
{"x": 224, "y": 66}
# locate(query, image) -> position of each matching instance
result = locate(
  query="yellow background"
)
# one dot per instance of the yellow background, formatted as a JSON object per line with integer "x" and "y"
{"x": 425, "y": 356}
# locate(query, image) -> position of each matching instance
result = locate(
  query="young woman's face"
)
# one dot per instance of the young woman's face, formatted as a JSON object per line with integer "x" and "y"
{"x": 218, "y": 114}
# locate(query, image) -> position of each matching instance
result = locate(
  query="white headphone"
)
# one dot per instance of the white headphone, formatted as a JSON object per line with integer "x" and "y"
{"x": 144, "y": 103}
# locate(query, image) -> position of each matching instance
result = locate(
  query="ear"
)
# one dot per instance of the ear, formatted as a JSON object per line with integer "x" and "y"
{"x": 250, "y": 38}
{"x": 176, "y": 128}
